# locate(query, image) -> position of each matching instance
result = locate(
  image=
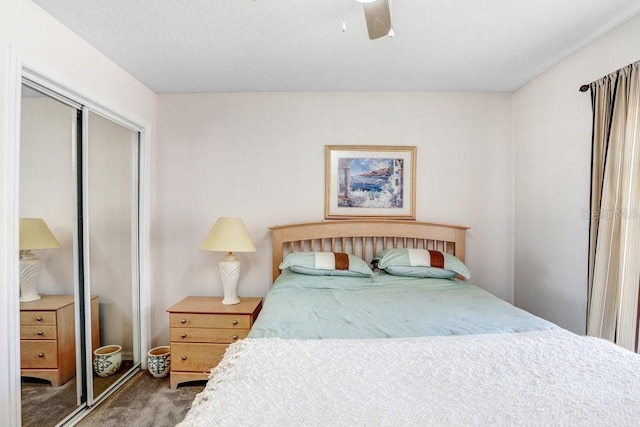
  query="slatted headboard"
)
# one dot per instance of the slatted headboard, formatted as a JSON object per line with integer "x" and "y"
{"x": 364, "y": 238}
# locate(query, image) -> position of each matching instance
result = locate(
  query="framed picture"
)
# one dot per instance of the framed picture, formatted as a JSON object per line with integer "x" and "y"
{"x": 370, "y": 181}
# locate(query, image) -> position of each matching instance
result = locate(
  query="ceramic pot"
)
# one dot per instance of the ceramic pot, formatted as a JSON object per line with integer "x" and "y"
{"x": 159, "y": 361}
{"x": 107, "y": 360}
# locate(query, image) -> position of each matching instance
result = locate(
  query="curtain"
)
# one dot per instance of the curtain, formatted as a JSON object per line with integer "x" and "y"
{"x": 614, "y": 240}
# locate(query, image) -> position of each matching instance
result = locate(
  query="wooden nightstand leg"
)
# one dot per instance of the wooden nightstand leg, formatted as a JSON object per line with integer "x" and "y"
{"x": 173, "y": 381}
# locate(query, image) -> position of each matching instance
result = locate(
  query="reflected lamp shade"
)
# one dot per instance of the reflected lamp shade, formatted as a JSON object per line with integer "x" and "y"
{"x": 34, "y": 234}
{"x": 229, "y": 235}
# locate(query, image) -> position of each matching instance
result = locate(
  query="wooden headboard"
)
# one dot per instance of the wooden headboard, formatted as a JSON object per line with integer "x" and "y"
{"x": 364, "y": 238}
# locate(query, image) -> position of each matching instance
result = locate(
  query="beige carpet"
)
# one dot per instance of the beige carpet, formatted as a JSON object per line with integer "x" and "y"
{"x": 144, "y": 401}
{"x": 44, "y": 405}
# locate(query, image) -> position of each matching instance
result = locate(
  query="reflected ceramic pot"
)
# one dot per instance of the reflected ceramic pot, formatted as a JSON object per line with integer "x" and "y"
{"x": 107, "y": 360}
{"x": 159, "y": 361}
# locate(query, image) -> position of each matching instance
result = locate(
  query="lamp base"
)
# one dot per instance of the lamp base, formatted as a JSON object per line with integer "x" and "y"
{"x": 230, "y": 274}
{"x": 29, "y": 275}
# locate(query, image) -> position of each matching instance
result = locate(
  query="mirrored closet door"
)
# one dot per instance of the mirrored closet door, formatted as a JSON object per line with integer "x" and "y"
{"x": 111, "y": 247}
{"x": 79, "y": 312}
{"x": 51, "y": 385}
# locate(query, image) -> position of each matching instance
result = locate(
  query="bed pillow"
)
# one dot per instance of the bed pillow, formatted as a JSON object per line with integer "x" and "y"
{"x": 326, "y": 264}
{"x": 421, "y": 263}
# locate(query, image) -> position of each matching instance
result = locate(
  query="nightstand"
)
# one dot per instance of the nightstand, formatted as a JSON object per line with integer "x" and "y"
{"x": 48, "y": 340}
{"x": 201, "y": 329}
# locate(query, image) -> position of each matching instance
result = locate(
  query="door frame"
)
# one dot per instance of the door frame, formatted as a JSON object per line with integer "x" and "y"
{"x": 21, "y": 67}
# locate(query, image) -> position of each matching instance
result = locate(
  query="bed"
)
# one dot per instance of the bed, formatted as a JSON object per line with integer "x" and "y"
{"x": 422, "y": 346}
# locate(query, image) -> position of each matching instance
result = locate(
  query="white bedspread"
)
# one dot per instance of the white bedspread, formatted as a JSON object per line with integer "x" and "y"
{"x": 531, "y": 378}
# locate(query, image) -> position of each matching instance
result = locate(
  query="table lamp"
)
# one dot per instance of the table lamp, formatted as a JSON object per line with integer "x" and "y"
{"x": 34, "y": 234}
{"x": 229, "y": 235}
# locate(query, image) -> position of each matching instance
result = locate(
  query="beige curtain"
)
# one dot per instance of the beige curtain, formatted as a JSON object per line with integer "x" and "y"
{"x": 614, "y": 241}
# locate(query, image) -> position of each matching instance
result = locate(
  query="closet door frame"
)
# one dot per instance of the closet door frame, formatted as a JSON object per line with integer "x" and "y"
{"x": 23, "y": 68}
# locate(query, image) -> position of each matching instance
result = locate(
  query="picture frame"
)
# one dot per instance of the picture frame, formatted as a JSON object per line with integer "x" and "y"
{"x": 370, "y": 181}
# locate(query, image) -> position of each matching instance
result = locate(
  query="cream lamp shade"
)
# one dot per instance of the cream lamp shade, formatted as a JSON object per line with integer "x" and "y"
{"x": 229, "y": 235}
{"x": 34, "y": 234}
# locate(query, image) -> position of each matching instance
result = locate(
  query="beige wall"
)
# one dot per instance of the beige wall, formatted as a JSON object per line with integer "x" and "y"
{"x": 260, "y": 156}
{"x": 552, "y": 137}
{"x": 54, "y": 49}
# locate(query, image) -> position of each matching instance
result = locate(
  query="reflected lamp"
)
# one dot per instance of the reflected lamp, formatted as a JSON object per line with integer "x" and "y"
{"x": 229, "y": 235}
{"x": 34, "y": 234}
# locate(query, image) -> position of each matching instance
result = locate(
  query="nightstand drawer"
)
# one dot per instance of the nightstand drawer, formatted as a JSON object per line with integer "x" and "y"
{"x": 38, "y": 354}
{"x": 189, "y": 320}
{"x": 201, "y": 329}
{"x": 207, "y": 335}
{"x": 37, "y": 332}
{"x": 196, "y": 357}
{"x": 37, "y": 317}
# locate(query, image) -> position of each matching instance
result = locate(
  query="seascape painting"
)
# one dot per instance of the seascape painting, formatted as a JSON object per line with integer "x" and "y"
{"x": 369, "y": 181}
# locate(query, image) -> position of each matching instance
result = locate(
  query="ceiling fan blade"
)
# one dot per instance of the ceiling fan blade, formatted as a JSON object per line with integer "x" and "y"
{"x": 378, "y": 16}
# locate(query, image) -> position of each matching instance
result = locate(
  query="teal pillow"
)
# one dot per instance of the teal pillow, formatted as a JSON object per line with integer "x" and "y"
{"x": 421, "y": 263}
{"x": 326, "y": 264}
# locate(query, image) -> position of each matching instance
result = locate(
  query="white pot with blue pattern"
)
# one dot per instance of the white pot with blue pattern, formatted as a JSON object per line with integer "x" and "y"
{"x": 159, "y": 361}
{"x": 107, "y": 360}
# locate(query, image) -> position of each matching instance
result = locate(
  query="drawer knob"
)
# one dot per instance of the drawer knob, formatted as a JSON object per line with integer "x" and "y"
{"x": 235, "y": 322}
{"x": 235, "y": 337}
{"x": 40, "y": 354}
{"x": 183, "y": 321}
{"x": 39, "y": 319}
{"x": 184, "y": 357}
{"x": 40, "y": 333}
{"x": 183, "y": 335}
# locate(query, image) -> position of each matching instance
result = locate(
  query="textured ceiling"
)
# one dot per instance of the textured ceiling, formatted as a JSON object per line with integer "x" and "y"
{"x": 176, "y": 46}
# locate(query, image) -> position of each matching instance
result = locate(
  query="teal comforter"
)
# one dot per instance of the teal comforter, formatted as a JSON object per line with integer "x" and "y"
{"x": 385, "y": 306}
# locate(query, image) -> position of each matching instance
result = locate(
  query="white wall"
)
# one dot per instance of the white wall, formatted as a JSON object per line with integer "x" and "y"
{"x": 260, "y": 156}
{"x": 552, "y": 136}
{"x": 50, "y": 47}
